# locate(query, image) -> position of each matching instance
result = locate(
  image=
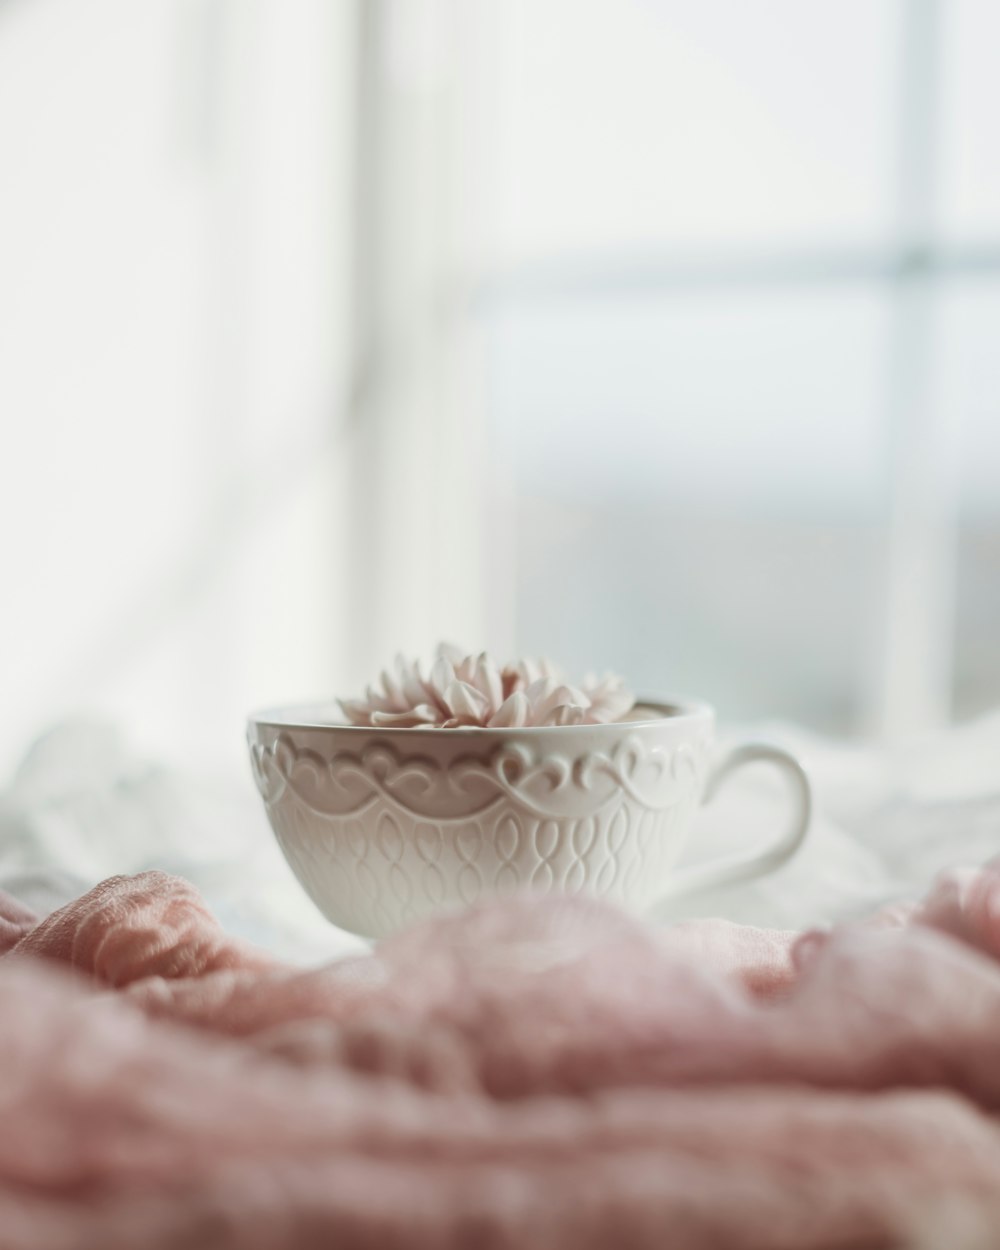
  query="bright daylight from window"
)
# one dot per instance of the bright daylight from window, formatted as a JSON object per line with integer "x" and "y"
{"x": 561, "y": 439}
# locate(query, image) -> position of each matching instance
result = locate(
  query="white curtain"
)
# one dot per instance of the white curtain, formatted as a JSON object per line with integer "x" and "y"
{"x": 176, "y": 220}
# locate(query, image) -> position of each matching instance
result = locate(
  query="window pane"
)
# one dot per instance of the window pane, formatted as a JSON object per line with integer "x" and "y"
{"x": 697, "y": 484}
{"x": 971, "y": 390}
{"x": 970, "y": 166}
{"x": 625, "y": 123}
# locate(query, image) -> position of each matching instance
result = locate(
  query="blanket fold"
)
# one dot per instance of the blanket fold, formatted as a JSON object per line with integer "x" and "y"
{"x": 543, "y": 1073}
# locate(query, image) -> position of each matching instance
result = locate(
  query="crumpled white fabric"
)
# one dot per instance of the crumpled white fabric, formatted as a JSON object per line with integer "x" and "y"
{"x": 84, "y": 805}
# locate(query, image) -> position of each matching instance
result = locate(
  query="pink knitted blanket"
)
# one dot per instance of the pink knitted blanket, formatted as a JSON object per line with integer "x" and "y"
{"x": 526, "y": 1074}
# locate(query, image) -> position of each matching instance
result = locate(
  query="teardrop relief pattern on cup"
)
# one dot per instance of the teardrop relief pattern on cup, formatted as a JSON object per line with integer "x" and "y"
{"x": 409, "y": 834}
{"x": 607, "y": 853}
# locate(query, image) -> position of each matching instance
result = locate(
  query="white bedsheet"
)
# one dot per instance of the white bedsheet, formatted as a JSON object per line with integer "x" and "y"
{"x": 82, "y": 806}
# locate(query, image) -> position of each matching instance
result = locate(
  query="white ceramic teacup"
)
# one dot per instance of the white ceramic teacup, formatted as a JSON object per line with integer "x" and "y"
{"x": 383, "y": 826}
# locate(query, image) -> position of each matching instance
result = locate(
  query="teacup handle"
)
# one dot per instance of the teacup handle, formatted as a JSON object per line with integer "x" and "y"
{"x": 742, "y": 867}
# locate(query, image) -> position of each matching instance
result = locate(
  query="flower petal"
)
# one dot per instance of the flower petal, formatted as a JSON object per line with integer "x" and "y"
{"x": 566, "y": 714}
{"x": 512, "y": 713}
{"x": 556, "y": 696}
{"x": 448, "y": 651}
{"x": 442, "y": 675}
{"x": 356, "y": 711}
{"x": 465, "y": 701}
{"x": 487, "y": 681}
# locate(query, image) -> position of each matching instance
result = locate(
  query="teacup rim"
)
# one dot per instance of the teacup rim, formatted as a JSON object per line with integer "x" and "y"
{"x": 309, "y": 716}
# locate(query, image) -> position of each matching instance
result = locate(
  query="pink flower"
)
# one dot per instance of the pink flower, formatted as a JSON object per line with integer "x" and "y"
{"x": 463, "y": 690}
